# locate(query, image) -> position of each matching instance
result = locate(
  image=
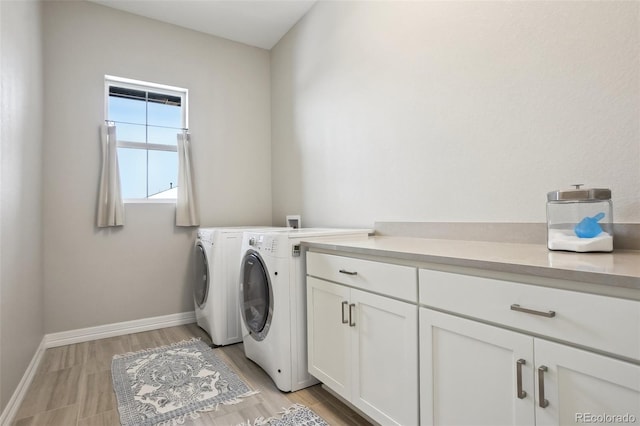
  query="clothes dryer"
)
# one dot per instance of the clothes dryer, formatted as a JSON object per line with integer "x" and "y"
{"x": 273, "y": 302}
{"x": 215, "y": 294}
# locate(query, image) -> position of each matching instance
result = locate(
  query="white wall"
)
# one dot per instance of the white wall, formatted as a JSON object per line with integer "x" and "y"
{"x": 454, "y": 111}
{"x": 93, "y": 276}
{"x": 21, "y": 282}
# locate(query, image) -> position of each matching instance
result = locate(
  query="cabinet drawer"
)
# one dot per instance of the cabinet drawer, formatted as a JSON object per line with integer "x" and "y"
{"x": 378, "y": 277}
{"x": 605, "y": 323}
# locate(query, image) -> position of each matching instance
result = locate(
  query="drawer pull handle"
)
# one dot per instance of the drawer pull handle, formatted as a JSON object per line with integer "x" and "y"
{"x": 521, "y": 394}
{"x": 344, "y": 271}
{"x": 542, "y": 401}
{"x": 351, "y": 315}
{"x": 548, "y": 314}
{"x": 344, "y": 320}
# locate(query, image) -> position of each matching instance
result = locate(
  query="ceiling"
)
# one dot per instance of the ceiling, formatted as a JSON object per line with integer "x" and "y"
{"x": 260, "y": 23}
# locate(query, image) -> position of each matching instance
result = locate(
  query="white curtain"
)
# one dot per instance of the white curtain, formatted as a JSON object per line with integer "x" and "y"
{"x": 186, "y": 208}
{"x": 110, "y": 205}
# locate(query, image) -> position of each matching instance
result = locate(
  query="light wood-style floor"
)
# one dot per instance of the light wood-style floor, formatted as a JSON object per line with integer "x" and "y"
{"x": 73, "y": 385}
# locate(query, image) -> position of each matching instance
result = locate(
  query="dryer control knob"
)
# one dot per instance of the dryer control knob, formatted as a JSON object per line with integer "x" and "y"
{"x": 252, "y": 241}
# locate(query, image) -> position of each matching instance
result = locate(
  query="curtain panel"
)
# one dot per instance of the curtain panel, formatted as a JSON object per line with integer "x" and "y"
{"x": 186, "y": 206}
{"x": 110, "y": 205}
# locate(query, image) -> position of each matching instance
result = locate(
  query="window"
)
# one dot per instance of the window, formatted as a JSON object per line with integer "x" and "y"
{"x": 148, "y": 118}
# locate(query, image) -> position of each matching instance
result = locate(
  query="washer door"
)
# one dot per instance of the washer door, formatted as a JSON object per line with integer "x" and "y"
{"x": 201, "y": 284}
{"x": 256, "y": 295}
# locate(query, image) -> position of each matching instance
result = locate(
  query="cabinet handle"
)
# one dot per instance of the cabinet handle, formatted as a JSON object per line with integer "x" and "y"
{"x": 351, "y": 322}
{"x": 548, "y": 314}
{"x": 344, "y": 271}
{"x": 542, "y": 401}
{"x": 344, "y": 320}
{"x": 521, "y": 394}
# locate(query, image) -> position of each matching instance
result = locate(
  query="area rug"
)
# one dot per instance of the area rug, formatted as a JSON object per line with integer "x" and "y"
{"x": 169, "y": 384}
{"x": 296, "y": 415}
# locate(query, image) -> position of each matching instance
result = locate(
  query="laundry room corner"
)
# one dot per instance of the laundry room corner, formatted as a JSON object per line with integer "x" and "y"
{"x": 95, "y": 276}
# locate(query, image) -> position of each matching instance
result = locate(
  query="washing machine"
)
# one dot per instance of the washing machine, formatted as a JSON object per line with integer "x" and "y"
{"x": 215, "y": 294}
{"x": 273, "y": 302}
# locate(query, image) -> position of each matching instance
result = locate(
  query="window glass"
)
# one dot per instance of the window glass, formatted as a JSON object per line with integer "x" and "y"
{"x": 148, "y": 118}
{"x": 162, "y": 135}
{"x": 163, "y": 173}
{"x": 165, "y": 114}
{"x": 131, "y": 132}
{"x": 133, "y": 172}
{"x": 127, "y": 110}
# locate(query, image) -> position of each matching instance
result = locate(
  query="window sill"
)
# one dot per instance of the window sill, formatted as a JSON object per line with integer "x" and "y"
{"x": 150, "y": 201}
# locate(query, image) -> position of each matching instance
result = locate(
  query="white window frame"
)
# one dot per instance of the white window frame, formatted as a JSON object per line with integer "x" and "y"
{"x": 129, "y": 83}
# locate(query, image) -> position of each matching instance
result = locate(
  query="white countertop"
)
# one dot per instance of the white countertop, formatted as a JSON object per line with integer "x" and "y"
{"x": 618, "y": 269}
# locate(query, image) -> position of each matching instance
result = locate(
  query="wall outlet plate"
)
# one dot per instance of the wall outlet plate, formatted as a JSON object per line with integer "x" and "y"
{"x": 294, "y": 221}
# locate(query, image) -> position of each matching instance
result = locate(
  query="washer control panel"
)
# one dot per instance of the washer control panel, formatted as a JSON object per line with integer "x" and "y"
{"x": 263, "y": 242}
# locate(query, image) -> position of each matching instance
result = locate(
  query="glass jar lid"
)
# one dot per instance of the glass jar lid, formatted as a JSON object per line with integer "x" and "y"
{"x": 580, "y": 194}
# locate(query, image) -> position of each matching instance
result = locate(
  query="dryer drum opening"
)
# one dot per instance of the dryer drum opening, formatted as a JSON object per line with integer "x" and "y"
{"x": 201, "y": 288}
{"x": 257, "y": 296}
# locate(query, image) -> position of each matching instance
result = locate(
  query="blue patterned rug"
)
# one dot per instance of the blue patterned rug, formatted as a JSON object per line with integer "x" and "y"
{"x": 297, "y": 415}
{"x": 169, "y": 384}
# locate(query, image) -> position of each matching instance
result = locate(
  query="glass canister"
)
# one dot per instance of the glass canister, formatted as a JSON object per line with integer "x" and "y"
{"x": 580, "y": 220}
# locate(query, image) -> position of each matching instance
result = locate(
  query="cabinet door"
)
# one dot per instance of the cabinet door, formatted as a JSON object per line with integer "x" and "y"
{"x": 328, "y": 336}
{"x": 385, "y": 358}
{"x": 469, "y": 373}
{"x": 580, "y": 386}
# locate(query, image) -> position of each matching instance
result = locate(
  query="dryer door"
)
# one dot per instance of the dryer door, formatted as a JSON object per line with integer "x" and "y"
{"x": 201, "y": 287}
{"x": 256, "y": 296}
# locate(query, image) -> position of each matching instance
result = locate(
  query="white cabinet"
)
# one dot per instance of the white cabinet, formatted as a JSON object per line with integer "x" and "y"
{"x": 476, "y": 373}
{"x": 608, "y": 324}
{"x": 502, "y": 377}
{"x": 384, "y": 358}
{"x": 492, "y": 351}
{"x": 580, "y": 386}
{"x": 329, "y": 335}
{"x": 363, "y": 345}
{"x": 469, "y": 373}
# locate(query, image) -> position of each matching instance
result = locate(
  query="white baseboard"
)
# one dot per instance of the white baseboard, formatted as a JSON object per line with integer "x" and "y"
{"x": 117, "y": 329}
{"x": 85, "y": 335}
{"x": 11, "y": 409}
